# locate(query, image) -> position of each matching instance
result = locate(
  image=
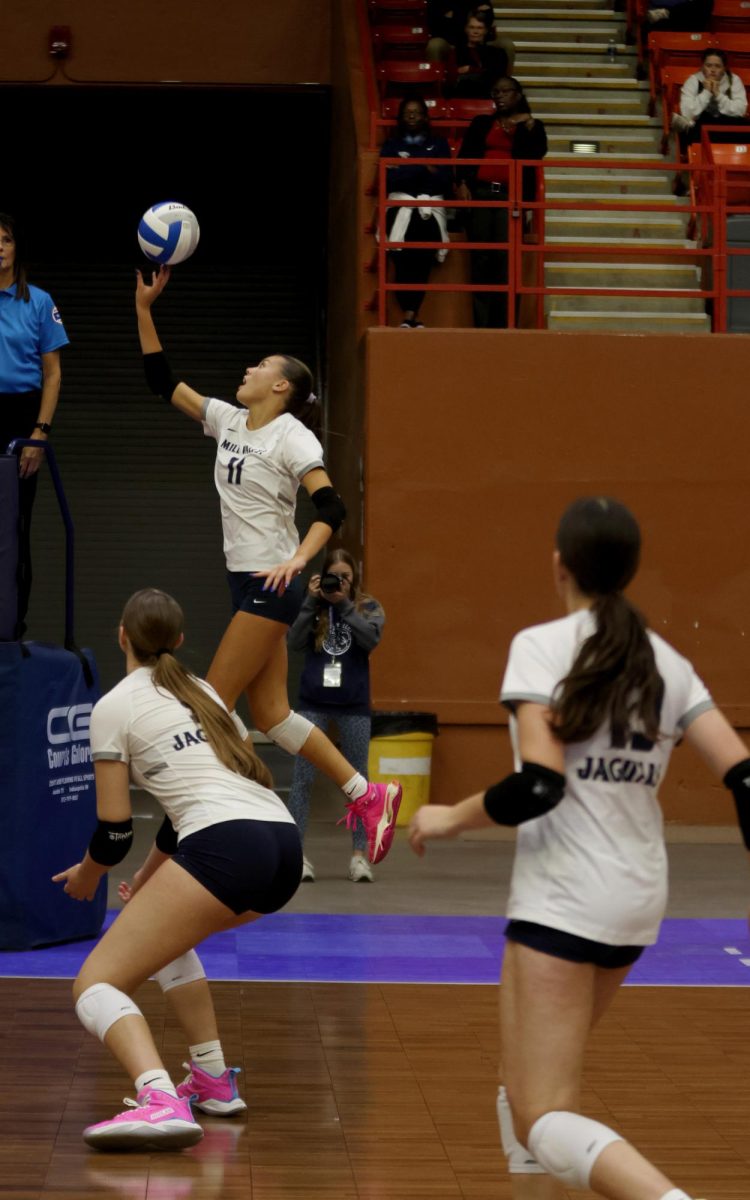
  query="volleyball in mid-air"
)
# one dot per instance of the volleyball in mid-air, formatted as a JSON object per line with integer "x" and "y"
{"x": 168, "y": 233}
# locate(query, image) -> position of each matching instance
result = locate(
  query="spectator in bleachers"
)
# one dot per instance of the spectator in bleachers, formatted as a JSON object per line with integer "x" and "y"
{"x": 447, "y": 21}
{"x": 712, "y": 96}
{"x": 678, "y": 16}
{"x": 414, "y": 142}
{"x": 511, "y": 132}
{"x": 475, "y": 61}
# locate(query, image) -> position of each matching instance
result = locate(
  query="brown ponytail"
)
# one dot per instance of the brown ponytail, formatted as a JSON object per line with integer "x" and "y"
{"x": 153, "y": 623}
{"x": 614, "y": 675}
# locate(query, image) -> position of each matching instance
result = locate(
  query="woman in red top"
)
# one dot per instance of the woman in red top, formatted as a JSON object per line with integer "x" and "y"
{"x": 509, "y": 133}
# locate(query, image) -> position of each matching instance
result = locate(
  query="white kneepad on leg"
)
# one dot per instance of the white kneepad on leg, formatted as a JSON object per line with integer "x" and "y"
{"x": 101, "y": 1005}
{"x": 188, "y": 968}
{"x": 291, "y": 733}
{"x": 520, "y": 1160}
{"x": 567, "y": 1145}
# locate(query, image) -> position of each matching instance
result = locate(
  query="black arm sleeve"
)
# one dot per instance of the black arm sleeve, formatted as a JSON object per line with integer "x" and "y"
{"x": 166, "y": 838}
{"x": 330, "y": 507}
{"x": 159, "y": 377}
{"x": 524, "y": 795}
{"x": 111, "y": 842}
{"x": 737, "y": 779}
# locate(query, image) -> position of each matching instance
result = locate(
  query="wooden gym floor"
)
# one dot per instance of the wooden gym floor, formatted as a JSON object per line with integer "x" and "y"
{"x": 370, "y": 1092}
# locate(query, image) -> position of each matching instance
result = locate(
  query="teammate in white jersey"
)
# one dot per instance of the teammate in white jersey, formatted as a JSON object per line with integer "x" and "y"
{"x": 597, "y": 704}
{"x": 228, "y": 852}
{"x": 264, "y": 451}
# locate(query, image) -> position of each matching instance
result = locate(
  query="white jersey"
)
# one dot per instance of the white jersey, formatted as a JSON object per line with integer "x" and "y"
{"x": 257, "y": 474}
{"x": 168, "y": 755}
{"x": 596, "y": 864}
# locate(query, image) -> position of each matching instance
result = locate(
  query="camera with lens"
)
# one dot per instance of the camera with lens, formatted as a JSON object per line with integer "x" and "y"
{"x": 330, "y": 583}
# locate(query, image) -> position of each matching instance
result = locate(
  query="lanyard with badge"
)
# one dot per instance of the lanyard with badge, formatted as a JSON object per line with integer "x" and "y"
{"x": 334, "y": 644}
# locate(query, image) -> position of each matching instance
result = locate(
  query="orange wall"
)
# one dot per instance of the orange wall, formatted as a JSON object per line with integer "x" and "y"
{"x": 475, "y": 442}
{"x": 234, "y": 41}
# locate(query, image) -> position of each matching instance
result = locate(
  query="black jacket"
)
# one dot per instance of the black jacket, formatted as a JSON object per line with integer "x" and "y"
{"x": 527, "y": 143}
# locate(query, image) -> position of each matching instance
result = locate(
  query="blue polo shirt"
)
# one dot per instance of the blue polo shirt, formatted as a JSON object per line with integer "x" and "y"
{"x": 27, "y": 331}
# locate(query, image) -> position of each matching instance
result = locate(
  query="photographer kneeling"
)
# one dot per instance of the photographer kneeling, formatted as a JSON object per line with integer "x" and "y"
{"x": 338, "y": 626}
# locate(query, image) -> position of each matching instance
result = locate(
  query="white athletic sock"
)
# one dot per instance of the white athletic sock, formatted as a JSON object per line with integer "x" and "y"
{"x": 675, "y": 1194}
{"x": 356, "y": 787}
{"x": 157, "y": 1078}
{"x": 209, "y": 1056}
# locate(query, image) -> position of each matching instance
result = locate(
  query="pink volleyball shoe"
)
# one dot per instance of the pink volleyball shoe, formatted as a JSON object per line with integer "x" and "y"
{"x": 377, "y": 810}
{"x": 159, "y": 1122}
{"x": 211, "y": 1094}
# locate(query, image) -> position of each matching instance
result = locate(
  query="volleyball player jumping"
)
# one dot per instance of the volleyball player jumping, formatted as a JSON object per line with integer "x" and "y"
{"x": 227, "y": 852}
{"x": 597, "y": 702}
{"x": 264, "y": 451}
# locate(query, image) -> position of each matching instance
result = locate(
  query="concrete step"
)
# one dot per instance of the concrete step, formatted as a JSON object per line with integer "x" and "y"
{"x": 648, "y": 243}
{"x": 561, "y": 181}
{"x": 564, "y": 154}
{"x": 587, "y": 34}
{"x": 636, "y": 303}
{"x": 561, "y": 14}
{"x": 636, "y": 199}
{"x": 531, "y": 68}
{"x": 603, "y": 123}
{"x": 634, "y": 144}
{"x": 579, "y": 50}
{"x": 627, "y": 322}
{"x": 574, "y": 105}
{"x": 595, "y": 87}
{"x": 553, "y": 6}
{"x": 621, "y": 274}
{"x": 603, "y": 226}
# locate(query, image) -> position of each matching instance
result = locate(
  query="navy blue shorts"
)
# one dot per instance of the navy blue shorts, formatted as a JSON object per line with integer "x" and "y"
{"x": 569, "y": 946}
{"x": 251, "y": 866}
{"x": 248, "y": 596}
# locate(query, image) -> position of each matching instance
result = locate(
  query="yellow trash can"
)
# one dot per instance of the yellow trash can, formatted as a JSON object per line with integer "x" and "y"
{"x": 401, "y": 748}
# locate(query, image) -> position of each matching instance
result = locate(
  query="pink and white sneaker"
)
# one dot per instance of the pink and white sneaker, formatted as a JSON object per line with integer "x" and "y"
{"x": 377, "y": 810}
{"x": 160, "y": 1122}
{"x": 212, "y": 1094}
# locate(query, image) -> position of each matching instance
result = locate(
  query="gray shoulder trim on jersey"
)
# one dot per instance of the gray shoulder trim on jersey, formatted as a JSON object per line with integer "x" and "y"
{"x": 155, "y": 770}
{"x": 511, "y": 699}
{"x": 313, "y": 466}
{"x": 204, "y": 408}
{"x": 107, "y": 756}
{"x": 688, "y": 717}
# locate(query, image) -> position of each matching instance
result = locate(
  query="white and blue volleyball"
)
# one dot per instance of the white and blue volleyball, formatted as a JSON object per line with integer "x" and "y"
{"x": 168, "y": 233}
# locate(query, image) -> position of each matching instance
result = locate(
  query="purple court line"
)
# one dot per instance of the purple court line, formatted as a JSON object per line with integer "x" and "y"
{"x": 322, "y": 948}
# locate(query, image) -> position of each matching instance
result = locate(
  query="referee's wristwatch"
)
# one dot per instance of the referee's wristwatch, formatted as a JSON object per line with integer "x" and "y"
{"x": 44, "y": 426}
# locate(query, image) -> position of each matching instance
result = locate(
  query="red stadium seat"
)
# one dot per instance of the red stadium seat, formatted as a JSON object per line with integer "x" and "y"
{"x": 730, "y": 16}
{"x": 467, "y": 109}
{"x": 437, "y": 108}
{"x": 404, "y": 76}
{"x": 674, "y": 50}
{"x": 413, "y": 10}
{"x": 400, "y": 41}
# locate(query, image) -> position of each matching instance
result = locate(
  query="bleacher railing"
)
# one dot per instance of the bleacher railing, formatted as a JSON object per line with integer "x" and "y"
{"x": 717, "y": 193}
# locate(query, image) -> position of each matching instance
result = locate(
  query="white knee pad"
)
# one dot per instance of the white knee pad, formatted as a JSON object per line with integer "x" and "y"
{"x": 291, "y": 733}
{"x": 101, "y": 1005}
{"x": 520, "y": 1161}
{"x": 567, "y": 1146}
{"x": 186, "y": 969}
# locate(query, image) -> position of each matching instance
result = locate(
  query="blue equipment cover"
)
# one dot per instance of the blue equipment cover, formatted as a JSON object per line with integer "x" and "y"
{"x": 48, "y": 798}
{"x": 8, "y": 546}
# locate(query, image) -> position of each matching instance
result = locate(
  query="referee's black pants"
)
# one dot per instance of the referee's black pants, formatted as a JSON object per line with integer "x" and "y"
{"x": 18, "y": 412}
{"x": 489, "y": 266}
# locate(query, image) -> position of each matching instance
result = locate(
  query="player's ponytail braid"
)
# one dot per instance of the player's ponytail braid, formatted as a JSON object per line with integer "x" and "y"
{"x": 153, "y": 622}
{"x": 302, "y": 402}
{"x": 614, "y": 675}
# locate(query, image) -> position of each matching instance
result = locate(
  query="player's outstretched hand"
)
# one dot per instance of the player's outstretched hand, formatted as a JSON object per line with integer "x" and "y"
{"x": 126, "y": 890}
{"x": 277, "y": 579}
{"x": 430, "y": 821}
{"x": 146, "y": 293}
{"x": 78, "y": 884}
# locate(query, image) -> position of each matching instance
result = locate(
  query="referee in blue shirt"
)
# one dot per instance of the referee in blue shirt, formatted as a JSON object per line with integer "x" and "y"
{"x": 31, "y": 337}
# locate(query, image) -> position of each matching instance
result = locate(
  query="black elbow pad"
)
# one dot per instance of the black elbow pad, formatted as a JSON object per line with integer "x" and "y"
{"x": 159, "y": 377}
{"x": 166, "y": 838}
{"x": 111, "y": 842}
{"x": 329, "y": 506}
{"x": 737, "y": 779}
{"x": 524, "y": 795}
